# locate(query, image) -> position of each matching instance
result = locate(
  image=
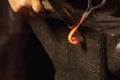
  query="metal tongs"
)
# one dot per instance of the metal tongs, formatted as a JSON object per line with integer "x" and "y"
{"x": 90, "y": 8}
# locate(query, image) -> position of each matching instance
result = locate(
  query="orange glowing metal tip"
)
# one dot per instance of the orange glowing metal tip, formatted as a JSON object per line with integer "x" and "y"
{"x": 74, "y": 40}
{"x": 90, "y": 8}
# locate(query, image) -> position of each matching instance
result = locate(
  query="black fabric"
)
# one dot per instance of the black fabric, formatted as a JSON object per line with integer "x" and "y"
{"x": 22, "y": 57}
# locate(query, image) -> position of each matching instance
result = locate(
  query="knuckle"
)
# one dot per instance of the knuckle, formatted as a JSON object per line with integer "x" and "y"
{"x": 37, "y": 8}
{"x": 20, "y": 6}
{"x": 22, "y": 3}
{"x": 15, "y": 9}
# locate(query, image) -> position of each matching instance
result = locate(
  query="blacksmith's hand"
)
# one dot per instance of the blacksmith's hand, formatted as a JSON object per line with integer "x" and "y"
{"x": 28, "y": 7}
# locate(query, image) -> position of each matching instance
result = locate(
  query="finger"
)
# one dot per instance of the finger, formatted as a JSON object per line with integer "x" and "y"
{"x": 13, "y": 5}
{"x": 37, "y": 7}
{"x": 32, "y": 14}
{"x": 18, "y": 7}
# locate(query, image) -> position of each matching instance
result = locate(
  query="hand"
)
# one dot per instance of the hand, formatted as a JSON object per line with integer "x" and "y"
{"x": 29, "y": 7}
